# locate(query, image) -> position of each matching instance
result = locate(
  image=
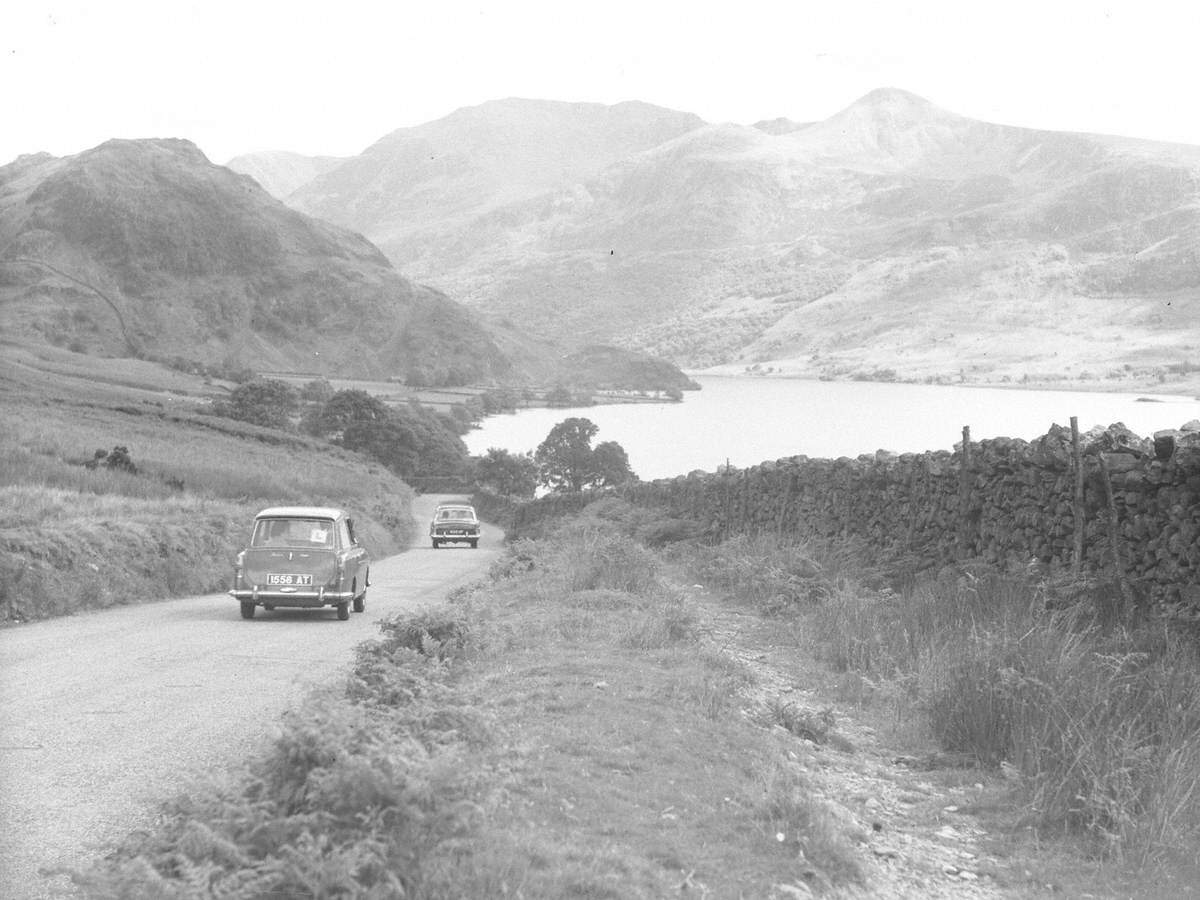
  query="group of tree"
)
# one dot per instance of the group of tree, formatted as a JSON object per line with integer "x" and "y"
{"x": 564, "y": 461}
{"x": 414, "y": 441}
{"x": 411, "y": 440}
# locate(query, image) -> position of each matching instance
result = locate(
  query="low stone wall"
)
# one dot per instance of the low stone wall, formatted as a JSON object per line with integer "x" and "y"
{"x": 1005, "y": 501}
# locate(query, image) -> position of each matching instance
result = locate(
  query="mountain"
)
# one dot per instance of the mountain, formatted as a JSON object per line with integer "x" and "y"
{"x": 894, "y": 239}
{"x": 146, "y": 248}
{"x": 280, "y": 172}
{"x": 447, "y": 188}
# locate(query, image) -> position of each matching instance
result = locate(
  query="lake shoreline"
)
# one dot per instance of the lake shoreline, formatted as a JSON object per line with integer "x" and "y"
{"x": 1187, "y": 387}
{"x": 743, "y": 421}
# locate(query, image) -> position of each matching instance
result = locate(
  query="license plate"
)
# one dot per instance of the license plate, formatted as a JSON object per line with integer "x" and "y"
{"x": 290, "y": 580}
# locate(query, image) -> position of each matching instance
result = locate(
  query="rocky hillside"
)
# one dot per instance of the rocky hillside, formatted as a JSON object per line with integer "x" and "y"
{"x": 146, "y": 248}
{"x": 892, "y": 240}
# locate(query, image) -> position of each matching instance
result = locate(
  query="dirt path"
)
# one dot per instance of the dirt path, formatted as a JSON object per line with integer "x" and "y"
{"x": 918, "y": 840}
{"x": 104, "y": 715}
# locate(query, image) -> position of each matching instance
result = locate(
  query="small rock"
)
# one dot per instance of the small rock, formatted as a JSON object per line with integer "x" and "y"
{"x": 948, "y": 869}
{"x": 968, "y": 876}
{"x": 949, "y": 809}
{"x": 600, "y": 685}
{"x": 886, "y": 852}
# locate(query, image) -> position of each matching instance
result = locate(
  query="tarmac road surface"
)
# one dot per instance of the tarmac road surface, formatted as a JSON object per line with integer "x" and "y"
{"x": 104, "y": 715}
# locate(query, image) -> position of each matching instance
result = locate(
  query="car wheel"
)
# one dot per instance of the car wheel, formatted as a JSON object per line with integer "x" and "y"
{"x": 360, "y": 602}
{"x": 437, "y": 544}
{"x": 247, "y": 609}
{"x": 268, "y": 607}
{"x": 343, "y": 611}
{"x": 474, "y": 545}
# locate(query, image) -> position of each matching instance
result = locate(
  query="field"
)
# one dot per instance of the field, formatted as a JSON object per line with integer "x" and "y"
{"x": 76, "y": 537}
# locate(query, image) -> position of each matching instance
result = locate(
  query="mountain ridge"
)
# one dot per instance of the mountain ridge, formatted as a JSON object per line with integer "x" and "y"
{"x": 892, "y": 237}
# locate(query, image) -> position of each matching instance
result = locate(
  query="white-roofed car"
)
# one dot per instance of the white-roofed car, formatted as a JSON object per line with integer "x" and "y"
{"x": 454, "y": 523}
{"x": 302, "y": 556}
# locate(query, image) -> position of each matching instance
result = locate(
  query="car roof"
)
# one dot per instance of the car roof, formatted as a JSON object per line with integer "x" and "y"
{"x": 455, "y": 506}
{"x": 300, "y": 512}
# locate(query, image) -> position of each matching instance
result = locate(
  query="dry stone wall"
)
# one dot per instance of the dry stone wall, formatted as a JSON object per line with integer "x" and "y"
{"x": 1005, "y": 501}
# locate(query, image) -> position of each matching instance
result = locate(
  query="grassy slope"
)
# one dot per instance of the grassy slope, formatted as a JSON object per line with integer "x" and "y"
{"x": 74, "y": 538}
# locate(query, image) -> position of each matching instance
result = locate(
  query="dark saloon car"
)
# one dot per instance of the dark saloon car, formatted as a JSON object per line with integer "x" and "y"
{"x": 454, "y": 523}
{"x": 302, "y": 556}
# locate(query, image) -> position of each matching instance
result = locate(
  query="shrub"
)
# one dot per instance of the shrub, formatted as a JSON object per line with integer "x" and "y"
{"x": 590, "y": 558}
{"x": 774, "y": 573}
{"x": 439, "y": 632}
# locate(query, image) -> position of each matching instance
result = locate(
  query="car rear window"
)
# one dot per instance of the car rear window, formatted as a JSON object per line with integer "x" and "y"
{"x": 309, "y": 533}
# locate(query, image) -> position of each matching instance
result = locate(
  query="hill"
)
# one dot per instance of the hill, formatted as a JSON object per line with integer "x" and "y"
{"x": 893, "y": 240}
{"x": 145, "y": 248}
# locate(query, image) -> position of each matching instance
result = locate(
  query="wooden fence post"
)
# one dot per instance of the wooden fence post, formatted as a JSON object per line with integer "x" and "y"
{"x": 1114, "y": 538}
{"x": 964, "y": 493}
{"x": 1077, "y": 500}
{"x": 789, "y": 480}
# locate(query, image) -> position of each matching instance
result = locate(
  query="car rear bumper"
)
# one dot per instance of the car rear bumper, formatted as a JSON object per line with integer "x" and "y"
{"x": 277, "y": 597}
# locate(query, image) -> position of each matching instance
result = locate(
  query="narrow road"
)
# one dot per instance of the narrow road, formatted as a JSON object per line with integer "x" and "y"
{"x": 104, "y": 715}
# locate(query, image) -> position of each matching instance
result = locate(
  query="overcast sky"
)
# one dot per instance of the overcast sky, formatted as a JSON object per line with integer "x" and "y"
{"x": 318, "y": 77}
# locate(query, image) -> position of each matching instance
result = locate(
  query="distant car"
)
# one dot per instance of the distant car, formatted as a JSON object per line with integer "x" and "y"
{"x": 454, "y": 523}
{"x": 302, "y": 556}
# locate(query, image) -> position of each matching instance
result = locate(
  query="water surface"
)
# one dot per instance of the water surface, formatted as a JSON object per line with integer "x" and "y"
{"x": 747, "y": 420}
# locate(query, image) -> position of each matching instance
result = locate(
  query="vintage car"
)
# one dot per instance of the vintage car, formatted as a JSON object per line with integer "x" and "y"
{"x": 454, "y": 523}
{"x": 305, "y": 556}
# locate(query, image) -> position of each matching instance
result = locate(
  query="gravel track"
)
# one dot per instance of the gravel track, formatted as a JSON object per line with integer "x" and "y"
{"x": 104, "y": 715}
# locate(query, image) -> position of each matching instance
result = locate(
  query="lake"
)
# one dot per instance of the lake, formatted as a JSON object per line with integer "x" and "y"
{"x": 749, "y": 420}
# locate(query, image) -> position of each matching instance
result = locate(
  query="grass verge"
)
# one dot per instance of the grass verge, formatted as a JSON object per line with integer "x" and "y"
{"x": 559, "y": 731}
{"x": 1096, "y": 725}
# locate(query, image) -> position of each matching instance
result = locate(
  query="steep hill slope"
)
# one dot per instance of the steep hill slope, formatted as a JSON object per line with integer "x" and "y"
{"x": 146, "y": 248}
{"x": 894, "y": 239}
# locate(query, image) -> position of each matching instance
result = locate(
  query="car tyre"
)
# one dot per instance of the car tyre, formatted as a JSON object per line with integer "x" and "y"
{"x": 437, "y": 545}
{"x": 360, "y": 602}
{"x": 247, "y": 609}
{"x": 474, "y": 545}
{"x": 343, "y": 611}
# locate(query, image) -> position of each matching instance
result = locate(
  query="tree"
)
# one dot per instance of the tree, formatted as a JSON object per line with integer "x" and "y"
{"x": 507, "y": 474}
{"x": 610, "y": 463}
{"x": 319, "y": 390}
{"x": 558, "y": 396}
{"x": 264, "y": 401}
{"x": 411, "y": 441}
{"x": 344, "y": 409}
{"x": 567, "y": 462}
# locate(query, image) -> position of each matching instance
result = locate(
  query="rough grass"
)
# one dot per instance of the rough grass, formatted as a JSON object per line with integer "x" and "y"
{"x": 360, "y": 795}
{"x": 1097, "y": 724}
{"x": 75, "y": 538}
{"x": 549, "y": 734}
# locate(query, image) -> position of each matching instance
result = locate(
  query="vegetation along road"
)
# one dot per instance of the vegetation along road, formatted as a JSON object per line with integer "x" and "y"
{"x": 106, "y": 714}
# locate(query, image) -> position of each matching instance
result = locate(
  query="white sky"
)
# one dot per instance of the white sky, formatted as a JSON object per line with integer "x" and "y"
{"x": 320, "y": 77}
